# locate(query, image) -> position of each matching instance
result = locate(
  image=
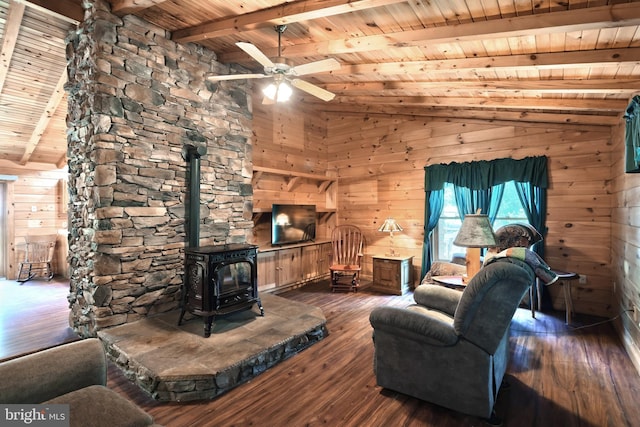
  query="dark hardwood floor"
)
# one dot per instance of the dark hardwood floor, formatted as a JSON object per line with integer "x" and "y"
{"x": 33, "y": 315}
{"x": 559, "y": 375}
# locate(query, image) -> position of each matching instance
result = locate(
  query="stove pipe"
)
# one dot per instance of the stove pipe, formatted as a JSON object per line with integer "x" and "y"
{"x": 192, "y": 155}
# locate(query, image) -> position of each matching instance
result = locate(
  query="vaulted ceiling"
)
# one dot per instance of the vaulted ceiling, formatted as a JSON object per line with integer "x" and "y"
{"x": 572, "y": 61}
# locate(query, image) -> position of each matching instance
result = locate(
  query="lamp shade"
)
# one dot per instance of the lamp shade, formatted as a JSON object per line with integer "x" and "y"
{"x": 475, "y": 232}
{"x": 389, "y": 226}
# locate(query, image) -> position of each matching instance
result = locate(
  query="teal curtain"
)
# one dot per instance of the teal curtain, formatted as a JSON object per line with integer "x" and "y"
{"x": 432, "y": 212}
{"x": 486, "y": 173}
{"x": 534, "y": 202}
{"x": 632, "y": 136}
{"x": 482, "y": 176}
{"x": 488, "y": 200}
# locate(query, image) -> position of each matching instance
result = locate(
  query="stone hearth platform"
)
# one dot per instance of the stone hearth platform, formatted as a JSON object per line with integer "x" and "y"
{"x": 176, "y": 363}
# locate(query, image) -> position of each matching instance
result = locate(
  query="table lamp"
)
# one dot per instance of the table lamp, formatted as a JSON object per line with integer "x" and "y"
{"x": 475, "y": 233}
{"x": 389, "y": 226}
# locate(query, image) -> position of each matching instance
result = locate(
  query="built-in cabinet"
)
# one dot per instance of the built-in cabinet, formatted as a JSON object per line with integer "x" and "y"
{"x": 284, "y": 267}
{"x": 289, "y": 266}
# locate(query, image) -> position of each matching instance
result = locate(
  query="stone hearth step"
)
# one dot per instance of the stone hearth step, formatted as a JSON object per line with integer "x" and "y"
{"x": 176, "y": 363}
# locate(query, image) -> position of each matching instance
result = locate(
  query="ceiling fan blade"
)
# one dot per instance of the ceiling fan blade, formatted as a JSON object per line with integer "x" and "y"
{"x": 322, "y": 66}
{"x": 235, "y": 77}
{"x": 256, "y": 54}
{"x": 312, "y": 89}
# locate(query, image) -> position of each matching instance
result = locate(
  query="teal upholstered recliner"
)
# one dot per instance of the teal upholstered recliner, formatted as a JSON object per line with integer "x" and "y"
{"x": 451, "y": 347}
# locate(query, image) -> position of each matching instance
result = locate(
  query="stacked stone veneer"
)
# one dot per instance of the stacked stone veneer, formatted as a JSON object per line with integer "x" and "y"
{"x": 135, "y": 99}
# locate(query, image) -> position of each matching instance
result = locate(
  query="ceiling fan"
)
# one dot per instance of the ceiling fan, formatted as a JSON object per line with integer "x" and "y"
{"x": 282, "y": 71}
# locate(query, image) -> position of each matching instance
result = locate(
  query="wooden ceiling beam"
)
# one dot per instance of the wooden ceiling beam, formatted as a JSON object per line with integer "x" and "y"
{"x": 594, "y": 120}
{"x": 576, "y": 86}
{"x": 614, "y": 16}
{"x": 282, "y": 14}
{"x": 62, "y": 161}
{"x": 125, "y": 7}
{"x": 41, "y": 126}
{"x": 9, "y": 38}
{"x": 538, "y": 61}
{"x": 587, "y": 105}
{"x": 67, "y": 10}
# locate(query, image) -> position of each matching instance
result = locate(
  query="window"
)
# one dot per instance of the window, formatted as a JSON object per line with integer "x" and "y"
{"x": 449, "y": 223}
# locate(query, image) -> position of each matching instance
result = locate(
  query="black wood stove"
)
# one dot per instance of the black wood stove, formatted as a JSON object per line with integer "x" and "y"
{"x": 220, "y": 280}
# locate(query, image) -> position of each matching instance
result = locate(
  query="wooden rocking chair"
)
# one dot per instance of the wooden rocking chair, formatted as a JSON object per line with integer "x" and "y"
{"x": 346, "y": 243}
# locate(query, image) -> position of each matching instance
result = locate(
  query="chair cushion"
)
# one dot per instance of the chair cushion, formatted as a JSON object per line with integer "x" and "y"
{"x": 97, "y": 406}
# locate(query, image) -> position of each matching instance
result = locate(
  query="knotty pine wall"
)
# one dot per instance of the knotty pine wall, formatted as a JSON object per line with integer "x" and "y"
{"x": 289, "y": 139}
{"x": 379, "y": 161}
{"x": 625, "y": 248}
{"x": 36, "y": 205}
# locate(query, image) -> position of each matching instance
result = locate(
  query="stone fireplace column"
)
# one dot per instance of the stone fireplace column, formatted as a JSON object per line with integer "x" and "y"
{"x": 135, "y": 100}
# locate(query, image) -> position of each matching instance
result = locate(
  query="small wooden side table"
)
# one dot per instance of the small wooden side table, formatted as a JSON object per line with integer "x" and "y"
{"x": 392, "y": 274}
{"x": 566, "y": 277}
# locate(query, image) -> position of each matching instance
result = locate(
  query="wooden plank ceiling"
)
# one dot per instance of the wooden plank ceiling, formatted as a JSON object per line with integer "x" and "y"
{"x": 572, "y": 61}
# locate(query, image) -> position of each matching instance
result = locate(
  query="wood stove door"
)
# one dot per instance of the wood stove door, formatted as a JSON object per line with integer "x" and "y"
{"x": 197, "y": 298}
{"x": 235, "y": 283}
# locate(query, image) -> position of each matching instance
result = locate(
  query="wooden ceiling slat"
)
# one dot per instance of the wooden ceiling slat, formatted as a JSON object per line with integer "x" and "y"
{"x": 282, "y": 14}
{"x": 123, "y": 7}
{"x": 67, "y": 10}
{"x": 10, "y": 38}
{"x": 572, "y": 62}
{"x": 559, "y": 22}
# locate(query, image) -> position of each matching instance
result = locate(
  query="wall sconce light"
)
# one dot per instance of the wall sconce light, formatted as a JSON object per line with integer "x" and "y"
{"x": 475, "y": 233}
{"x": 389, "y": 226}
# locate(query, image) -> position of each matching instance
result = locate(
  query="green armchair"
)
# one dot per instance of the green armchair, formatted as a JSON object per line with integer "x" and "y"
{"x": 451, "y": 347}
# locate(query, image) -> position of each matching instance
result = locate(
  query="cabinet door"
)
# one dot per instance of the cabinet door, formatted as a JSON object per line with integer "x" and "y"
{"x": 386, "y": 276}
{"x": 267, "y": 270}
{"x": 310, "y": 262}
{"x": 324, "y": 259}
{"x": 289, "y": 266}
{"x": 315, "y": 260}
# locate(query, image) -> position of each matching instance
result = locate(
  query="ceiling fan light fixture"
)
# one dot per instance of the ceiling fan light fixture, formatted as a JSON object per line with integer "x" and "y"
{"x": 281, "y": 89}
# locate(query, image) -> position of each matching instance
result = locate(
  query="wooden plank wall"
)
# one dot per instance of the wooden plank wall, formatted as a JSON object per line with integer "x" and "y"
{"x": 286, "y": 138}
{"x": 35, "y": 207}
{"x": 625, "y": 248}
{"x": 380, "y": 160}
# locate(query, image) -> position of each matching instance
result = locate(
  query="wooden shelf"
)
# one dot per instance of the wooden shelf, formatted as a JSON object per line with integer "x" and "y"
{"x": 324, "y": 182}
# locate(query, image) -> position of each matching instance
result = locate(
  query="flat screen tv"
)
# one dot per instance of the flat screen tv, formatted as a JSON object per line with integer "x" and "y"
{"x": 292, "y": 224}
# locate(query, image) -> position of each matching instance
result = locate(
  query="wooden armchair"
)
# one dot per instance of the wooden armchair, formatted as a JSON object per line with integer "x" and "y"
{"x": 346, "y": 244}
